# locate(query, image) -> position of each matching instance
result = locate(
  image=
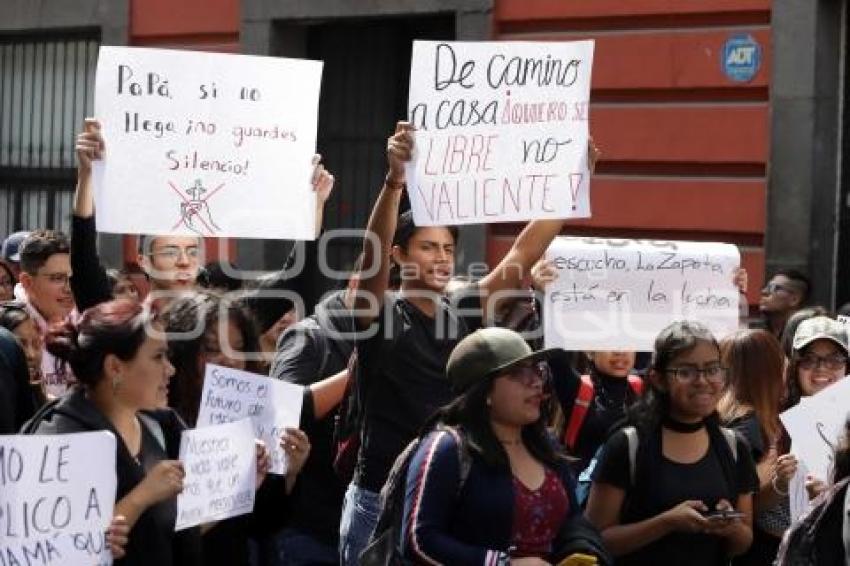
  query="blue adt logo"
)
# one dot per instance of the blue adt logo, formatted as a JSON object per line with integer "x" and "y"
{"x": 741, "y": 58}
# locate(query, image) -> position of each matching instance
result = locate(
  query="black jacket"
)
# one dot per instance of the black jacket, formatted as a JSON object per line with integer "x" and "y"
{"x": 148, "y": 544}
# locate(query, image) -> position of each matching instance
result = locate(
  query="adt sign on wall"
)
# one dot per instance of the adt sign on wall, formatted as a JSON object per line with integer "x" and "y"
{"x": 741, "y": 58}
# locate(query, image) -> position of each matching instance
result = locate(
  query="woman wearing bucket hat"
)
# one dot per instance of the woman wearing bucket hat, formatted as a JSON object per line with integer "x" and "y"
{"x": 513, "y": 501}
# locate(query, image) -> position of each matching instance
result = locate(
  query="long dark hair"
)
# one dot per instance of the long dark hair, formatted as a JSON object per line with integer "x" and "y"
{"x": 471, "y": 414}
{"x": 115, "y": 327}
{"x": 198, "y": 312}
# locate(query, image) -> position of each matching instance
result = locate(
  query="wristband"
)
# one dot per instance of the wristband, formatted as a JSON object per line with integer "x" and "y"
{"x": 393, "y": 184}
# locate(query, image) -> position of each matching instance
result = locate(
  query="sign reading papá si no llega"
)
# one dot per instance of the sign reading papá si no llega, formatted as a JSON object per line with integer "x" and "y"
{"x": 57, "y": 494}
{"x": 206, "y": 144}
{"x": 501, "y": 131}
{"x": 615, "y": 294}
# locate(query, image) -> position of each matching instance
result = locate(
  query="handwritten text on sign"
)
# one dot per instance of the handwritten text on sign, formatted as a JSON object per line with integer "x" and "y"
{"x": 221, "y": 473}
{"x": 618, "y": 294}
{"x": 501, "y": 131}
{"x": 272, "y": 405}
{"x": 54, "y": 504}
{"x": 205, "y": 143}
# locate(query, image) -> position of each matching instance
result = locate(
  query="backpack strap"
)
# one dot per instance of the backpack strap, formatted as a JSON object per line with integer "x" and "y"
{"x": 463, "y": 457}
{"x": 633, "y": 441}
{"x": 636, "y": 383}
{"x": 731, "y": 440}
{"x": 154, "y": 428}
{"x": 845, "y": 529}
{"x": 579, "y": 411}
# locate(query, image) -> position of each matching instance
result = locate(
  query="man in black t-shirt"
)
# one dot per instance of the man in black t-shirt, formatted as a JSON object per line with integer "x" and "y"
{"x": 406, "y": 337}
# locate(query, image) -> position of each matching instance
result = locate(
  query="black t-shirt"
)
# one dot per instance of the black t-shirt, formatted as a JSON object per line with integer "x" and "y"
{"x": 661, "y": 484}
{"x": 402, "y": 372}
{"x": 748, "y": 427}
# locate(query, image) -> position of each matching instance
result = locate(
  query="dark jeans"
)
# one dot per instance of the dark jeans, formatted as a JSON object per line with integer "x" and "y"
{"x": 297, "y": 548}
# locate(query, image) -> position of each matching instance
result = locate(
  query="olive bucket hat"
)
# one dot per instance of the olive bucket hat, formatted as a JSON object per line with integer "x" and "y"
{"x": 489, "y": 351}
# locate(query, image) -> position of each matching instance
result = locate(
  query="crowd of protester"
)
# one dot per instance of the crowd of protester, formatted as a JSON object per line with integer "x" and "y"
{"x": 431, "y": 431}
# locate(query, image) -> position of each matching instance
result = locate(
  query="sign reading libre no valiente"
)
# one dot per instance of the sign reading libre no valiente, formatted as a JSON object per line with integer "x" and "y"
{"x": 501, "y": 131}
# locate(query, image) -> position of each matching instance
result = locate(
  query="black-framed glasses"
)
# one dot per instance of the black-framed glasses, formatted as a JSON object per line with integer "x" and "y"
{"x": 714, "y": 373}
{"x": 832, "y": 362}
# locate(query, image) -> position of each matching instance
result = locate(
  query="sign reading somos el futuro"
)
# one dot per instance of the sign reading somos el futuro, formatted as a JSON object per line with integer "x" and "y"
{"x": 271, "y": 404}
{"x": 618, "y": 294}
{"x": 206, "y": 143}
{"x": 501, "y": 131}
{"x": 55, "y": 505}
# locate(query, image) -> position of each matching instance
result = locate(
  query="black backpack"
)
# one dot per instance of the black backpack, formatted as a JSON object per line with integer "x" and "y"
{"x": 800, "y": 545}
{"x": 384, "y": 548}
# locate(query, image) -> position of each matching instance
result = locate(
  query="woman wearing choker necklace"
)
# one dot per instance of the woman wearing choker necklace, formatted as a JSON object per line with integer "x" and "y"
{"x": 659, "y": 498}
{"x": 486, "y": 485}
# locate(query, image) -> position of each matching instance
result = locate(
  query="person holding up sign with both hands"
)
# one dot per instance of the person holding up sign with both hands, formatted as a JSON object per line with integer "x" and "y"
{"x": 124, "y": 374}
{"x": 171, "y": 262}
{"x": 409, "y": 335}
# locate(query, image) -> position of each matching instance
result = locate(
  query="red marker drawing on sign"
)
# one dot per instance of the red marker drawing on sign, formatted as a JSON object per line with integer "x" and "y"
{"x": 196, "y": 209}
{"x": 575, "y": 185}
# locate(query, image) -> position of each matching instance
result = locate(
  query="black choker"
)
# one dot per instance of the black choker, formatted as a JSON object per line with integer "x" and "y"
{"x": 678, "y": 426}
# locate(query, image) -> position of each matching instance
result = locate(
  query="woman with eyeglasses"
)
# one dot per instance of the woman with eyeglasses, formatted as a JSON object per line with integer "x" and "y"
{"x": 673, "y": 486}
{"x": 487, "y": 485}
{"x": 819, "y": 359}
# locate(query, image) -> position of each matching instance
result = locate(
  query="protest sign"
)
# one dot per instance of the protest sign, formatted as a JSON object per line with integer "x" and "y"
{"x": 615, "y": 294}
{"x": 798, "y": 495}
{"x": 206, "y": 143}
{"x": 55, "y": 505}
{"x": 816, "y": 425}
{"x": 271, "y": 404}
{"x": 221, "y": 473}
{"x": 501, "y": 131}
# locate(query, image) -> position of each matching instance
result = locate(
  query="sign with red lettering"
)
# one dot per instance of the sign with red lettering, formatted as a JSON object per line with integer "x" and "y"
{"x": 615, "y": 294}
{"x": 501, "y": 131}
{"x": 206, "y": 144}
{"x": 57, "y": 494}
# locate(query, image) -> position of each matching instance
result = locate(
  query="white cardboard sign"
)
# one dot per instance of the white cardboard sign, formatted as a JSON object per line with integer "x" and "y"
{"x": 271, "y": 404}
{"x": 221, "y": 473}
{"x": 206, "y": 144}
{"x": 816, "y": 425}
{"x": 55, "y": 505}
{"x": 501, "y": 131}
{"x": 615, "y": 294}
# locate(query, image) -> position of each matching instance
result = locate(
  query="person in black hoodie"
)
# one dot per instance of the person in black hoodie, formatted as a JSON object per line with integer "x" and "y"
{"x": 124, "y": 375}
{"x": 311, "y": 350}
